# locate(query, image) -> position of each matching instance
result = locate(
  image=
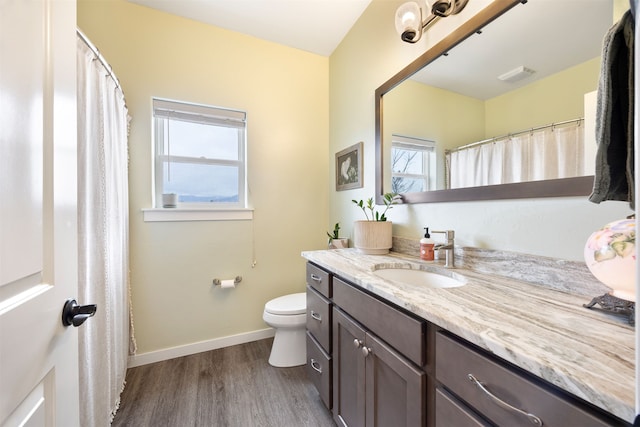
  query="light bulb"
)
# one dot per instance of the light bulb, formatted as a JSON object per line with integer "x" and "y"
{"x": 408, "y": 18}
{"x": 409, "y": 22}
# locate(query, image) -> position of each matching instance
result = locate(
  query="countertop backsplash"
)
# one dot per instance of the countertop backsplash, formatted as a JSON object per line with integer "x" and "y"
{"x": 562, "y": 275}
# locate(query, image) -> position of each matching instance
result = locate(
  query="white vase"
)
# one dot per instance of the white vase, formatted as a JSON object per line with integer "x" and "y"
{"x": 372, "y": 237}
{"x": 339, "y": 243}
{"x": 169, "y": 200}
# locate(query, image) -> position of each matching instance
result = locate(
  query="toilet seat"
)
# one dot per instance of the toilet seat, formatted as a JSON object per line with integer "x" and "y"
{"x": 287, "y": 305}
{"x": 285, "y": 320}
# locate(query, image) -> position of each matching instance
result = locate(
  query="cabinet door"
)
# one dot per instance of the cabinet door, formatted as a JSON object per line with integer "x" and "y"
{"x": 451, "y": 412}
{"x": 348, "y": 371}
{"x": 395, "y": 388}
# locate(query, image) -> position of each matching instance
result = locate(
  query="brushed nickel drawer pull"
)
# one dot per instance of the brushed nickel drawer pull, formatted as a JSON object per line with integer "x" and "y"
{"x": 316, "y": 316}
{"x": 316, "y": 366}
{"x": 357, "y": 343}
{"x": 316, "y": 278}
{"x": 532, "y": 418}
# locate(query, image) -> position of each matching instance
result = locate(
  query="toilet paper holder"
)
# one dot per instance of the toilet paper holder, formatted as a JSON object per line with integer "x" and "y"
{"x": 218, "y": 282}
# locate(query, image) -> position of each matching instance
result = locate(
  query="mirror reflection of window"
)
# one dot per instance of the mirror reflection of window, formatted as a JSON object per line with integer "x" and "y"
{"x": 413, "y": 164}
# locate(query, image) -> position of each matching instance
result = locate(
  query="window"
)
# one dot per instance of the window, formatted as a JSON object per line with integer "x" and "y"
{"x": 200, "y": 155}
{"x": 413, "y": 164}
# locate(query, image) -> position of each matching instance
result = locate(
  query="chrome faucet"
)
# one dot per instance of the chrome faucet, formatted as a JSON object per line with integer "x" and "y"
{"x": 449, "y": 258}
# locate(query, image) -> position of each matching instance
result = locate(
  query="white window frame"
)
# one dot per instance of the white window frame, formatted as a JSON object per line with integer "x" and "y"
{"x": 163, "y": 109}
{"x": 428, "y": 150}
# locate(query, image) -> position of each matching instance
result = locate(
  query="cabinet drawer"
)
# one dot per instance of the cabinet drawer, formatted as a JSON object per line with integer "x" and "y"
{"x": 319, "y": 370}
{"x": 404, "y": 333}
{"x": 455, "y": 361}
{"x": 451, "y": 412}
{"x": 319, "y": 318}
{"x": 319, "y": 279}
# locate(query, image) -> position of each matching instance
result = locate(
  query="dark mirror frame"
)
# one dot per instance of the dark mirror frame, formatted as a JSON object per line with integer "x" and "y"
{"x": 566, "y": 187}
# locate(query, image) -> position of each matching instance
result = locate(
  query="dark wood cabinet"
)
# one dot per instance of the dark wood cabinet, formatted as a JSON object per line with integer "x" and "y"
{"x": 450, "y": 412}
{"x": 502, "y": 394}
{"x": 395, "y": 387}
{"x": 319, "y": 341}
{"x": 373, "y": 384}
{"x": 376, "y": 364}
{"x": 402, "y": 331}
{"x": 319, "y": 318}
{"x": 348, "y": 371}
{"x": 319, "y": 369}
{"x": 319, "y": 279}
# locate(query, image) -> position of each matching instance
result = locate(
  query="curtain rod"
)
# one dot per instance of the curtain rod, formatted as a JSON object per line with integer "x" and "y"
{"x": 101, "y": 58}
{"x": 497, "y": 138}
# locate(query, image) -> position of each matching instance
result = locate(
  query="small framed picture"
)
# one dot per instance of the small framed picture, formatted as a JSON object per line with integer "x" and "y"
{"x": 349, "y": 167}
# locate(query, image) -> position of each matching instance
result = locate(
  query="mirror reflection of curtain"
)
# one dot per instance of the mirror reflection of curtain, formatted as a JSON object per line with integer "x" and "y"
{"x": 551, "y": 152}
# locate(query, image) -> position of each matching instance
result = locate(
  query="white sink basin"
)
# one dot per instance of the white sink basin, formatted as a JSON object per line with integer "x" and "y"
{"x": 419, "y": 278}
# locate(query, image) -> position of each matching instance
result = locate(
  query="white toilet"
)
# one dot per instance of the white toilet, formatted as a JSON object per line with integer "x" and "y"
{"x": 288, "y": 316}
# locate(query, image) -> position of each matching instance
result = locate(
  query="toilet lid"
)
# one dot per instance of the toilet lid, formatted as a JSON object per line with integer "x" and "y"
{"x": 288, "y": 304}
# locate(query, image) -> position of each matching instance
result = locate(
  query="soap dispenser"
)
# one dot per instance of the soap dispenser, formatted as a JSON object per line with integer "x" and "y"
{"x": 426, "y": 246}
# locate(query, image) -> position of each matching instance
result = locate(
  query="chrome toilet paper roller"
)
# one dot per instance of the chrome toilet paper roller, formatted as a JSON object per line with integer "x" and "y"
{"x": 227, "y": 283}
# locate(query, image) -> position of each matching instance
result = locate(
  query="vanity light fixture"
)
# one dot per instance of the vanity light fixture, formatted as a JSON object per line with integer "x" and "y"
{"x": 409, "y": 23}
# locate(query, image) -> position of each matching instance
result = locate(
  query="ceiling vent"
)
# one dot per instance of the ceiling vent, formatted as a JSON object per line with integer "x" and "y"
{"x": 516, "y": 74}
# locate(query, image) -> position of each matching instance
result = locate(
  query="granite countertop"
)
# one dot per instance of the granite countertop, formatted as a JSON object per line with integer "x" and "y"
{"x": 547, "y": 332}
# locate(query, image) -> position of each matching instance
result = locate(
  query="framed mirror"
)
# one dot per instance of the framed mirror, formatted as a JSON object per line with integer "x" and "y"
{"x": 512, "y": 69}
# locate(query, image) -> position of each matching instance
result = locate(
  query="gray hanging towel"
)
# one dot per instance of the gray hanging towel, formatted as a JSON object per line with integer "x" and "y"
{"x": 614, "y": 175}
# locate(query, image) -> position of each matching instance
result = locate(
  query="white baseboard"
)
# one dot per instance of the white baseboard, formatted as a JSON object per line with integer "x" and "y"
{"x": 198, "y": 347}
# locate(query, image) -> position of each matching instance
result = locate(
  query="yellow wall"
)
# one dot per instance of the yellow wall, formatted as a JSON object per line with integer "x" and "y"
{"x": 529, "y": 106}
{"x": 285, "y": 92}
{"x": 418, "y": 110}
{"x": 371, "y": 53}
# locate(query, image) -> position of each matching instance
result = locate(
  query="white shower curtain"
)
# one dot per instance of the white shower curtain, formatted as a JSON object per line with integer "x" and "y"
{"x": 103, "y": 220}
{"x": 548, "y": 153}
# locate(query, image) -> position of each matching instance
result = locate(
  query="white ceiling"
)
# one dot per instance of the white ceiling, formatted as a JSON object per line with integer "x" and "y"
{"x": 316, "y": 26}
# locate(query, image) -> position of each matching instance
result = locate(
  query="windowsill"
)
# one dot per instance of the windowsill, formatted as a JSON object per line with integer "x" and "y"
{"x": 193, "y": 214}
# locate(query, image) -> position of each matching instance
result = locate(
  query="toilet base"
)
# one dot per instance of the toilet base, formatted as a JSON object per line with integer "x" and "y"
{"x": 289, "y": 348}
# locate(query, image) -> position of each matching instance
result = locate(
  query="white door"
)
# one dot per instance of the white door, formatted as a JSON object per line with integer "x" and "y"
{"x": 38, "y": 238}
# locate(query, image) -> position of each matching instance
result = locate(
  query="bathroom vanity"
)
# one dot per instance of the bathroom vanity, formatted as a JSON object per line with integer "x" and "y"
{"x": 494, "y": 351}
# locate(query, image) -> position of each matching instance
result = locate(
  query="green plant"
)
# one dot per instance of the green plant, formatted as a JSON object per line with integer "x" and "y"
{"x": 389, "y": 200}
{"x": 336, "y": 232}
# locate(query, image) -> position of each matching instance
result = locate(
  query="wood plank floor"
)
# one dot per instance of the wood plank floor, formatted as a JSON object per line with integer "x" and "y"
{"x": 228, "y": 387}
